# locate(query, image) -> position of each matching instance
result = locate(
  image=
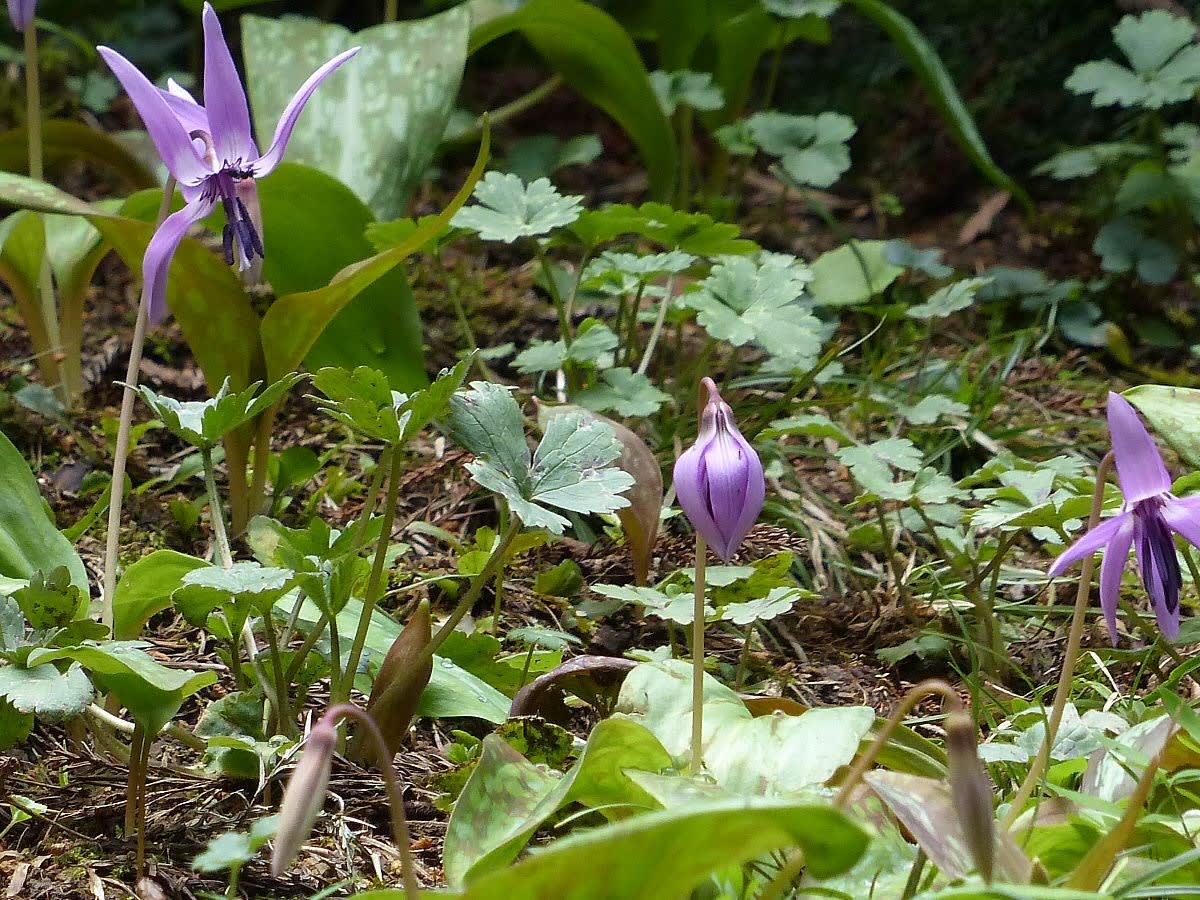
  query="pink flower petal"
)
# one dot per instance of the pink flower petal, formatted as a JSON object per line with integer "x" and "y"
{"x": 224, "y": 96}
{"x": 1140, "y": 466}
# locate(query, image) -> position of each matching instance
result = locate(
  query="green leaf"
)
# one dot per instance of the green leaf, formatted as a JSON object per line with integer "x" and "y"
{"x": 313, "y": 227}
{"x": 669, "y": 853}
{"x": 145, "y": 589}
{"x": 853, "y": 273}
{"x": 794, "y": 9}
{"x": 812, "y": 150}
{"x": 1165, "y": 64}
{"x": 50, "y": 600}
{"x": 870, "y": 464}
{"x": 1173, "y": 415}
{"x": 15, "y": 726}
{"x": 686, "y": 88}
{"x": 1125, "y": 247}
{"x": 234, "y": 849}
{"x": 1083, "y": 162}
{"x": 625, "y": 392}
{"x": 593, "y": 345}
{"x": 695, "y": 233}
{"x": 376, "y": 123}
{"x": 65, "y": 141}
{"x": 44, "y": 691}
{"x": 293, "y": 324}
{"x": 541, "y": 155}
{"x": 150, "y": 691}
{"x": 204, "y": 423}
{"x": 596, "y": 56}
{"x": 778, "y": 602}
{"x": 947, "y": 300}
{"x": 487, "y": 421}
{"x": 508, "y": 209}
{"x": 744, "y": 302}
{"x": 929, "y": 68}
{"x": 506, "y": 798}
{"x": 29, "y": 542}
{"x": 933, "y": 407}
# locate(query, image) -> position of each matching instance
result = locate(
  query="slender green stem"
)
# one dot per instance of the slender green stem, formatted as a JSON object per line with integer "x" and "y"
{"x": 914, "y": 875}
{"x": 283, "y": 712}
{"x": 33, "y": 128}
{"x": 383, "y": 759}
{"x": 664, "y": 306}
{"x": 310, "y": 641}
{"x": 894, "y": 562}
{"x": 525, "y": 668}
{"x": 494, "y": 564}
{"x": 216, "y": 516}
{"x": 631, "y": 327}
{"x": 510, "y": 110}
{"x": 744, "y": 657}
{"x": 121, "y": 452}
{"x": 698, "y": 659}
{"x": 687, "y": 155}
{"x": 1067, "y": 673}
{"x": 375, "y": 582}
{"x": 560, "y": 306}
{"x": 776, "y": 66}
{"x": 391, "y": 9}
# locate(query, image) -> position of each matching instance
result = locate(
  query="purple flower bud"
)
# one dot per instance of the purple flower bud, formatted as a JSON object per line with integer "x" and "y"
{"x": 719, "y": 479}
{"x": 305, "y": 794}
{"x": 21, "y": 13}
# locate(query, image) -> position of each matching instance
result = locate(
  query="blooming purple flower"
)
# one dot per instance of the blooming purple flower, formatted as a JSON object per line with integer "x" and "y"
{"x": 21, "y": 13}
{"x": 210, "y": 152}
{"x": 719, "y": 479}
{"x": 1147, "y": 520}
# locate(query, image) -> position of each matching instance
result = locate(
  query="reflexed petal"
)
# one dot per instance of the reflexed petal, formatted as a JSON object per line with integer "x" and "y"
{"x": 1089, "y": 543}
{"x": 191, "y": 115}
{"x": 283, "y": 131}
{"x": 1115, "y": 557}
{"x": 161, "y": 251}
{"x": 691, "y": 489}
{"x": 1140, "y": 466}
{"x": 224, "y": 96}
{"x": 1183, "y": 515}
{"x": 168, "y": 135}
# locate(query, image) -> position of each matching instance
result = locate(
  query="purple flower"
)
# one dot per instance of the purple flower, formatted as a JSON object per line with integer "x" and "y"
{"x": 210, "y": 151}
{"x": 21, "y": 13}
{"x": 305, "y": 793}
{"x": 1149, "y": 516}
{"x": 719, "y": 479}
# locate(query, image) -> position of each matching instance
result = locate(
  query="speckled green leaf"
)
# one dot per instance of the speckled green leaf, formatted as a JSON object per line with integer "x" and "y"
{"x": 504, "y": 802}
{"x": 376, "y": 123}
{"x": 1172, "y": 413}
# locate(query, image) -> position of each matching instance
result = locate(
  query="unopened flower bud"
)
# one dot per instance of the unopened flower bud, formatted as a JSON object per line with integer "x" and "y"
{"x": 305, "y": 794}
{"x": 21, "y": 13}
{"x": 719, "y": 479}
{"x": 971, "y": 790}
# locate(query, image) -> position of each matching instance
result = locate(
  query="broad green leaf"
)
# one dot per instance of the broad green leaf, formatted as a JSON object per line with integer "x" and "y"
{"x": 778, "y": 602}
{"x": 686, "y": 88}
{"x": 744, "y": 302}
{"x": 811, "y": 150}
{"x": 509, "y": 209}
{"x": 150, "y": 691}
{"x": 313, "y": 227}
{"x": 65, "y": 141}
{"x": 1083, "y": 162}
{"x": 817, "y": 426}
{"x": 642, "y": 268}
{"x": 929, "y": 68}
{"x": 1124, "y": 246}
{"x": 596, "y": 57}
{"x": 453, "y": 692}
{"x": 625, "y": 392}
{"x": 204, "y": 423}
{"x": 1173, "y": 414}
{"x": 294, "y": 323}
{"x": 50, "y": 600}
{"x": 29, "y": 542}
{"x": 487, "y": 421}
{"x": 794, "y": 9}
{"x": 541, "y": 155}
{"x": 695, "y": 233}
{"x": 932, "y": 407}
{"x": 870, "y": 463}
{"x": 667, "y": 854}
{"x": 22, "y": 250}
{"x": 947, "y": 300}
{"x": 44, "y": 691}
{"x": 1164, "y": 60}
{"x": 506, "y": 799}
{"x": 375, "y": 124}
{"x": 145, "y": 589}
{"x": 236, "y": 848}
{"x": 853, "y": 273}
{"x": 764, "y": 755}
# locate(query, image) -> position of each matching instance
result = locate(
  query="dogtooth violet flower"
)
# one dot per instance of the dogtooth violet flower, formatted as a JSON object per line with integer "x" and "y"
{"x": 21, "y": 13}
{"x": 210, "y": 152}
{"x": 305, "y": 793}
{"x": 1149, "y": 517}
{"x": 719, "y": 479}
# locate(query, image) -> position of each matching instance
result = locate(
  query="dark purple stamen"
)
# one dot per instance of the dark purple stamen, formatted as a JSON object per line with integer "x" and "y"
{"x": 1156, "y": 553}
{"x": 238, "y": 223}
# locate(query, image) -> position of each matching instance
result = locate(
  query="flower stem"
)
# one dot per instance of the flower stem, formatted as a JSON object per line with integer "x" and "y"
{"x": 383, "y": 759}
{"x": 664, "y": 305}
{"x": 560, "y": 306}
{"x": 1074, "y": 636}
{"x": 391, "y": 9}
{"x": 121, "y": 451}
{"x": 698, "y": 659}
{"x": 375, "y": 582}
{"x": 493, "y": 565}
{"x": 33, "y": 128}
{"x": 216, "y": 517}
